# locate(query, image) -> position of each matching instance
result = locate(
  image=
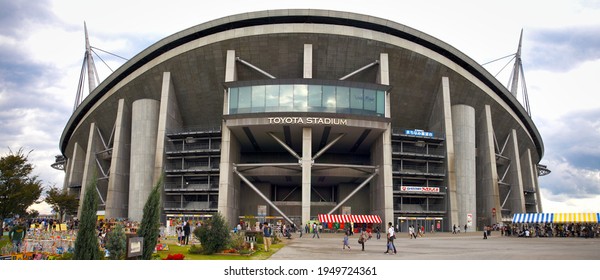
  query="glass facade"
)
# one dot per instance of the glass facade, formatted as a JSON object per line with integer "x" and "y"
{"x": 306, "y": 98}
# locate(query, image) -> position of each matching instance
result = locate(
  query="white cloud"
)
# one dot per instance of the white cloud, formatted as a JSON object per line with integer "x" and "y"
{"x": 482, "y": 30}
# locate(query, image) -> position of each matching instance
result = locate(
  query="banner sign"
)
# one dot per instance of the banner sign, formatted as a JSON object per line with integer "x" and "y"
{"x": 419, "y": 189}
{"x": 307, "y": 120}
{"x": 418, "y": 132}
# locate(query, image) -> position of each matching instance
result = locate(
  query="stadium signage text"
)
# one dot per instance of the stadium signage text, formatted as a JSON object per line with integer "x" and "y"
{"x": 419, "y": 189}
{"x": 418, "y": 132}
{"x": 307, "y": 120}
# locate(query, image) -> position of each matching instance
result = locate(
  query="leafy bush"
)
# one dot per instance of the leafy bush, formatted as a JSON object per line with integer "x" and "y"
{"x": 116, "y": 243}
{"x": 195, "y": 249}
{"x": 214, "y": 236}
{"x": 238, "y": 241}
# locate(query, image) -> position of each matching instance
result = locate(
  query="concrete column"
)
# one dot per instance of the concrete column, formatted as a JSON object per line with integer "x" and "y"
{"x": 488, "y": 195}
{"x": 382, "y": 186}
{"x": 144, "y": 127}
{"x": 308, "y": 61}
{"x": 229, "y": 183}
{"x": 516, "y": 199}
{"x": 117, "y": 196}
{"x": 452, "y": 216}
{"x": 169, "y": 118}
{"x": 463, "y": 130}
{"x": 90, "y": 167}
{"x": 306, "y": 163}
{"x": 530, "y": 181}
{"x": 75, "y": 166}
{"x": 383, "y": 77}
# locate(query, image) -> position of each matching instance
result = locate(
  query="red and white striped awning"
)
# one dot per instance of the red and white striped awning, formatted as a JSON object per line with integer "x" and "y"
{"x": 369, "y": 219}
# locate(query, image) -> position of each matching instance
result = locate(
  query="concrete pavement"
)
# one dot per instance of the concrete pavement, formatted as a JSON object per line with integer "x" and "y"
{"x": 441, "y": 246}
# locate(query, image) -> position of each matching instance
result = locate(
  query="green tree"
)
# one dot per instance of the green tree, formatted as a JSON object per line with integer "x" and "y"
{"x": 116, "y": 243}
{"x": 86, "y": 243}
{"x": 214, "y": 236}
{"x": 61, "y": 202}
{"x": 19, "y": 189}
{"x": 150, "y": 225}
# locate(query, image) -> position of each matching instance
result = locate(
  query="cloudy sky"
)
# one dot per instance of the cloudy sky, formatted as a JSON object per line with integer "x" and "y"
{"x": 42, "y": 47}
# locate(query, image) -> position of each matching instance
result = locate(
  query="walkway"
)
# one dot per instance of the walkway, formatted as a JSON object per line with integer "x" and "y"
{"x": 441, "y": 246}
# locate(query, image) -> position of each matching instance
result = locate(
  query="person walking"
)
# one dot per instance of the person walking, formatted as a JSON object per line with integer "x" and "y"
{"x": 465, "y": 228}
{"x": 391, "y": 235}
{"x": 378, "y": 231}
{"x": 267, "y": 232}
{"x": 315, "y": 230}
{"x": 363, "y": 238}
{"x": 346, "y": 241}
{"x": 485, "y": 232}
{"x": 186, "y": 233}
{"x": 17, "y": 235}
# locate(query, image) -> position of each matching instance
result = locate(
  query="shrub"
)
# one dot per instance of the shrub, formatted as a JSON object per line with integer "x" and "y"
{"x": 214, "y": 236}
{"x": 116, "y": 243}
{"x": 195, "y": 249}
{"x": 237, "y": 241}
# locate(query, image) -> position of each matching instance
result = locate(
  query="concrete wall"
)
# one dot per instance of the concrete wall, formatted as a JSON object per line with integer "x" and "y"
{"x": 359, "y": 202}
{"x": 117, "y": 197}
{"x": 463, "y": 128}
{"x": 144, "y": 127}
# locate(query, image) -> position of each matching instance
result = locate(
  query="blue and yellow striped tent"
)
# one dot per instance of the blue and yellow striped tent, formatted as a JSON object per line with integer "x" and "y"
{"x": 557, "y": 218}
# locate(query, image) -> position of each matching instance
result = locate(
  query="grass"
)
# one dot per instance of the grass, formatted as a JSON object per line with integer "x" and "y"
{"x": 258, "y": 255}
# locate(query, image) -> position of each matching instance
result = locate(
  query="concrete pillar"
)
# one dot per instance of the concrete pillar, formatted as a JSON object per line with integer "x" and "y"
{"x": 516, "y": 199}
{"x": 117, "y": 196}
{"x": 144, "y": 127}
{"x": 229, "y": 183}
{"x": 530, "y": 181}
{"x": 381, "y": 153}
{"x": 452, "y": 207}
{"x": 382, "y": 186}
{"x": 169, "y": 119}
{"x": 308, "y": 61}
{"x": 488, "y": 196}
{"x": 306, "y": 163}
{"x": 90, "y": 167}
{"x": 75, "y": 166}
{"x": 463, "y": 130}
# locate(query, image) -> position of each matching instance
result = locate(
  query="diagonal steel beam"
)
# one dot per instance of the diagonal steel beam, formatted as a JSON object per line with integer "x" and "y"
{"x": 353, "y": 193}
{"x": 285, "y": 146}
{"x": 266, "y": 199}
{"x": 319, "y": 153}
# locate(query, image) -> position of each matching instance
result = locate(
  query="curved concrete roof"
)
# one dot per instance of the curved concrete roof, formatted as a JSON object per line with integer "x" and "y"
{"x": 301, "y": 16}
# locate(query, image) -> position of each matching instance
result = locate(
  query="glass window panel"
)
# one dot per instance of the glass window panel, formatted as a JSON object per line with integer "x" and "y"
{"x": 245, "y": 97}
{"x": 381, "y": 103}
{"x": 370, "y": 99}
{"x": 300, "y": 97}
{"x": 272, "y": 98}
{"x": 286, "y": 97}
{"x": 233, "y": 100}
{"x": 342, "y": 99}
{"x": 329, "y": 98}
{"x": 356, "y": 98}
{"x": 315, "y": 95}
{"x": 258, "y": 98}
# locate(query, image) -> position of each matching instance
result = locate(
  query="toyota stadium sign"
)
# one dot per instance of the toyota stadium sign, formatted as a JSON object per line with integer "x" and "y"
{"x": 419, "y": 189}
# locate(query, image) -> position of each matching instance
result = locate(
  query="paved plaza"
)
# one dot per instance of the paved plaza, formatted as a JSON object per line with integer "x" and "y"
{"x": 441, "y": 246}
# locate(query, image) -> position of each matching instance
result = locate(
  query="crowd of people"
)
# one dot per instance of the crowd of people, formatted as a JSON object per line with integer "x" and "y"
{"x": 587, "y": 230}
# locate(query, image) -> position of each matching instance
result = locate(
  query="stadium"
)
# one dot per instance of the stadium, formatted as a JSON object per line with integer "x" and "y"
{"x": 305, "y": 114}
